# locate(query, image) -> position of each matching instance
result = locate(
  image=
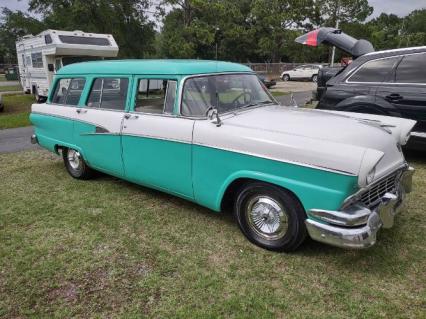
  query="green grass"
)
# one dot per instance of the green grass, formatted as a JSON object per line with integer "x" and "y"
{"x": 10, "y": 88}
{"x": 16, "y": 111}
{"x": 2, "y": 78}
{"x": 108, "y": 248}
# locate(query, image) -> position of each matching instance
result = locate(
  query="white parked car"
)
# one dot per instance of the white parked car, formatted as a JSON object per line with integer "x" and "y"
{"x": 302, "y": 72}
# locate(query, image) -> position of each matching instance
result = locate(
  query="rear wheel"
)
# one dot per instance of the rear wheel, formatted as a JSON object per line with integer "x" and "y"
{"x": 75, "y": 164}
{"x": 314, "y": 78}
{"x": 270, "y": 217}
{"x": 286, "y": 77}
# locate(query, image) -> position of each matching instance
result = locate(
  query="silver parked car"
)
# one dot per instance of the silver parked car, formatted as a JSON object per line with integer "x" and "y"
{"x": 302, "y": 72}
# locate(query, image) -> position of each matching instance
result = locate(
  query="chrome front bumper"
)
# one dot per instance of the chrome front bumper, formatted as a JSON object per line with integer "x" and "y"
{"x": 356, "y": 226}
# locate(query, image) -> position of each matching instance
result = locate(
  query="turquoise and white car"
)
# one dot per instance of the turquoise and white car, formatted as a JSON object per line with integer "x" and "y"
{"x": 211, "y": 133}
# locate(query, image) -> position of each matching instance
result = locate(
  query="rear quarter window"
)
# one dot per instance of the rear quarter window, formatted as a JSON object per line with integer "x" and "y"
{"x": 412, "y": 69}
{"x": 374, "y": 71}
{"x": 68, "y": 91}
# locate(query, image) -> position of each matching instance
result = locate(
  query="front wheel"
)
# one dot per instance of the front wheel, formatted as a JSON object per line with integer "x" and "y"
{"x": 75, "y": 164}
{"x": 314, "y": 78}
{"x": 286, "y": 77}
{"x": 270, "y": 217}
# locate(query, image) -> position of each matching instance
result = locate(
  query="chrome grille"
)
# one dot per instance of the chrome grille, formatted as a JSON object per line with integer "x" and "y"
{"x": 371, "y": 197}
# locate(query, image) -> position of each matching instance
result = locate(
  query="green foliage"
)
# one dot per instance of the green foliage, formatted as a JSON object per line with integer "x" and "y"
{"x": 14, "y": 25}
{"x": 242, "y": 31}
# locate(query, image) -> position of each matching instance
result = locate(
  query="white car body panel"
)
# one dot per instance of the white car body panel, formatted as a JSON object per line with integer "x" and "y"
{"x": 312, "y": 138}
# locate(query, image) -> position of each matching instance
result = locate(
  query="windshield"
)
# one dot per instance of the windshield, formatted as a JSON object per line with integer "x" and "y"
{"x": 225, "y": 92}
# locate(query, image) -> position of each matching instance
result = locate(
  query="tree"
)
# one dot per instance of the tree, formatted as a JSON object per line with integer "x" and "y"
{"x": 12, "y": 26}
{"x": 125, "y": 19}
{"x": 327, "y": 12}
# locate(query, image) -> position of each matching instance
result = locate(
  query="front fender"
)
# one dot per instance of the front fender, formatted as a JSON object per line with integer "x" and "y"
{"x": 310, "y": 194}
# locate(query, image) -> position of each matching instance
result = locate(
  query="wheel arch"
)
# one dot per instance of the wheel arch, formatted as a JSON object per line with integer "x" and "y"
{"x": 310, "y": 194}
{"x": 237, "y": 180}
{"x": 368, "y": 101}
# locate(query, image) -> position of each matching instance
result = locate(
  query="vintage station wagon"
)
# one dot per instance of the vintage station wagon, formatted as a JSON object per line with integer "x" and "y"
{"x": 211, "y": 133}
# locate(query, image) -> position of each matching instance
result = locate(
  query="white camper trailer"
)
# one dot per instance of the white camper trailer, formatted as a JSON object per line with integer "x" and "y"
{"x": 40, "y": 56}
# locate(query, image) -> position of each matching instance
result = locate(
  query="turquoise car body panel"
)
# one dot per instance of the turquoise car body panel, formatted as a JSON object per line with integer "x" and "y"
{"x": 214, "y": 170}
{"x": 166, "y": 165}
{"x": 197, "y": 173}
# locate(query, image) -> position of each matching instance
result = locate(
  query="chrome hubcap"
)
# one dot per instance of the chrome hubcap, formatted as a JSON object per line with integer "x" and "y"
{"x": 74, "y": 159}
{"x": 267, "y": 217}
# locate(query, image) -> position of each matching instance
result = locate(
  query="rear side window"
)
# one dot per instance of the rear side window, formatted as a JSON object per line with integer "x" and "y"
{"x": 108, "y": 93}
{"x": 412, "y": 69}
{"x": 374, "y": 71}
{"x": 68, "y": 91}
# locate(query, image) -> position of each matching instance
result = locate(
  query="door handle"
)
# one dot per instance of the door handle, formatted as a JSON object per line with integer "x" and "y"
{"x": 81, "y": 111}
{"x": 393, "y": 97}
{"x": 128, "y": 116}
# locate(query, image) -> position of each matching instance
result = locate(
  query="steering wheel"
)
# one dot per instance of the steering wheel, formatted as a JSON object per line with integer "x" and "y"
{"x": 236, "y": 102}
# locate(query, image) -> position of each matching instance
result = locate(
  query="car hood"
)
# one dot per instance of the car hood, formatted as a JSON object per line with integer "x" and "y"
{"x": 336, "y": 37}
{"x": 338, "y": 142}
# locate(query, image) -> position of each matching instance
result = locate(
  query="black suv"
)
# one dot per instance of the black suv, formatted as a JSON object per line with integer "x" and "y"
{"x": 391, "y": 82}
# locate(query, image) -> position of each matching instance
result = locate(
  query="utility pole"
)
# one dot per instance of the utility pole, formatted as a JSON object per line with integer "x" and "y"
{"x": 333, "y": 51}
{"x": 217, "y": 39}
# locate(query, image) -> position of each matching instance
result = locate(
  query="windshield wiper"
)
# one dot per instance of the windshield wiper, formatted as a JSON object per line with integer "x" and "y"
{"x": 259, "y": 103}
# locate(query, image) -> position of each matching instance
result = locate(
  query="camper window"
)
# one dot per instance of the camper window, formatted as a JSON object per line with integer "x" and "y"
{"x": 71, "y": 39}
{"x": 37, "y": 60}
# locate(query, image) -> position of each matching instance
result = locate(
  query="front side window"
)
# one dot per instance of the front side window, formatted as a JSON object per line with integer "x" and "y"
{"x": 68, "y": 91}
{"x": 224, "y": 92}
{"x": 156, "y": 96}
{"x": 412, "y": 69}
{"x": 374, "y": 71}
{"x": 37, "y": 60}
{"x": 108, "y": 93}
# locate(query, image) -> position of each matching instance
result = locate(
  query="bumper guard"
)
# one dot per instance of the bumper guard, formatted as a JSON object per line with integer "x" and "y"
{"x": 357, "y": 226}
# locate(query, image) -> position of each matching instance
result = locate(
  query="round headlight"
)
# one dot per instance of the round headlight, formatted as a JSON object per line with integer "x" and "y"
{"x": 370, "y": 175}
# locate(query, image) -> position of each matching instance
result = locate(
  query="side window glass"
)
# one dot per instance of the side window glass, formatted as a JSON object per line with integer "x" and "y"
{"x": 170, "y": 97}
{"x": 74, "y": 91}
{"x": 61, "y": 90}
{"x": 108, "y": 93}
{"x": 374, "y": 71}
{"x": 155, "y": 96}
{"x": 412, "y": 69}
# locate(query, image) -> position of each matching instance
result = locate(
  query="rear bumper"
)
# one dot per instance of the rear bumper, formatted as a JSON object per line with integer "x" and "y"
{"x": 357, "y": 226}
{"x": 34, "y": 139}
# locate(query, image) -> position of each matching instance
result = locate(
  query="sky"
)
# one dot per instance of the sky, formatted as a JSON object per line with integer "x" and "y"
{"x": 398, "y": 7}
